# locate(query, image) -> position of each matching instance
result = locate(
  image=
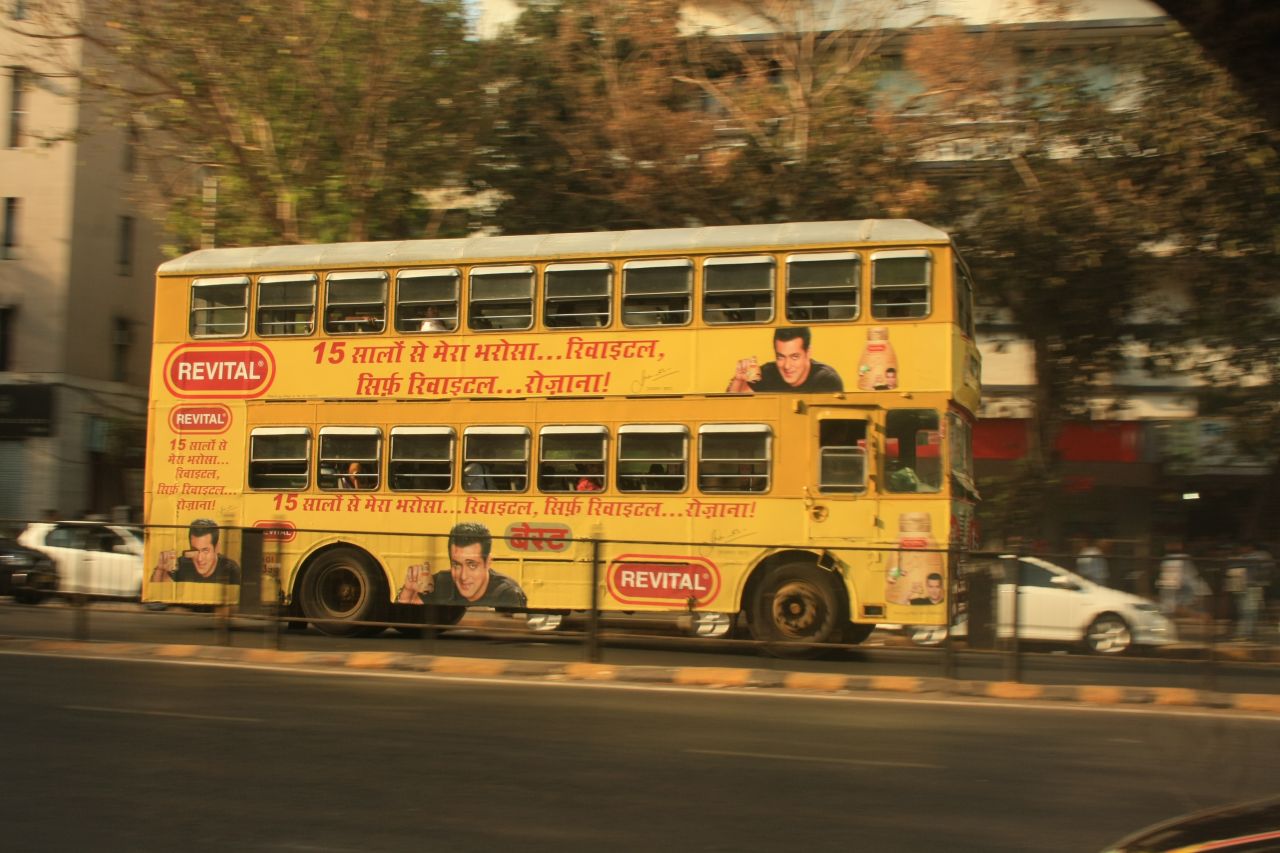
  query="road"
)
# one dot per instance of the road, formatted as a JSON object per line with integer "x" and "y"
{"x": 124, "y": 755}
{"x": 131, "y": 624}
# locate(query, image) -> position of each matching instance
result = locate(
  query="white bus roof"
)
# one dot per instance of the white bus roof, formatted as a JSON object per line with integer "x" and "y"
{"x": 587, "y": 244}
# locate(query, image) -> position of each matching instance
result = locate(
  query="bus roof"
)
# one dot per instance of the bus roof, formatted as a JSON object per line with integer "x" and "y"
{"x": 550, "y": 246}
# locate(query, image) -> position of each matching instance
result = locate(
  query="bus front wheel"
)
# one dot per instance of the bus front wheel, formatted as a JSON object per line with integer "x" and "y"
{"x": 797, "y": 603}
{"x": 340, "y": 588}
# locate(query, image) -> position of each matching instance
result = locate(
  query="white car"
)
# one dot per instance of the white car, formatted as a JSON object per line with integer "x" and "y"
{"x": 1058, "y": 606}
{"x": 94, "y": 558}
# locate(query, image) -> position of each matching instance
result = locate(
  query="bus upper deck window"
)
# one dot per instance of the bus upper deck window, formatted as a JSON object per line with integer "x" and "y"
{"x": 653, "y": 458}
{"x": 279, "y": 458}
{"x": 355, "y": 303}
{"x": 427, "y": 300}
{"x": 657, "y": 293}
{"x": 738, "y": 289}
{"x": 842, "y": 456}
{"x": 286, "y": 305}
{"x": 501, "y": 298}
{"x": 495, "y": 459}
{"x": 900, "y": 284}
{"x": 823, "y": 287}
{"x": 733, "y": 457}
{"x": 577, "y": 295}
{"x": 421, "y": 459}
{"x": 220, "y": 307}
{"x": 350, "y": 458}
{"x": 572, "y": 458}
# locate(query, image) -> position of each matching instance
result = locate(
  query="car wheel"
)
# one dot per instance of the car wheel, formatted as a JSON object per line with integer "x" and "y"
{"x": 27, "y": 596}
{"x": 1108, "y": 634}
{"x": 342, "y": 587}
{"x": 797, "y": 603}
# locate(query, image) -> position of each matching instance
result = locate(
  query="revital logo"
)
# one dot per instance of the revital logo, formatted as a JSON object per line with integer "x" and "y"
{"x": 219, "y": 370}
{"x": 663, "y": 579}
{"x": 277, "y": 531}
{"x": 211, "y": 417}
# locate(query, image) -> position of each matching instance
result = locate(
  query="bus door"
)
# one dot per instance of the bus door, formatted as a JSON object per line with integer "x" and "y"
{"x": 840, "y": 497}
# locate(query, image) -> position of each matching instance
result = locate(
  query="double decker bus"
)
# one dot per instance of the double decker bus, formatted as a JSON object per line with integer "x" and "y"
{"x": 769, "y": 420}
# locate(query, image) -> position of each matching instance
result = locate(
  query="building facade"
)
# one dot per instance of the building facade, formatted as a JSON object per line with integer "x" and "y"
{"x": 76, "y": 288}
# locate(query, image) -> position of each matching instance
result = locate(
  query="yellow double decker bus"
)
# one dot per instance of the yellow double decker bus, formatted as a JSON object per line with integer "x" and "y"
{"x": 769, "y": 420}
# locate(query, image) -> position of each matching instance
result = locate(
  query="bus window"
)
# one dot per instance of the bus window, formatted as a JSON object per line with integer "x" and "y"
{"x": 220, "y": 307}
{"x": 913, "y": 451}
{"x": 823, "y": 286}
{"x": 657, "y": 293}
{"x": 279, "y": 458}
{"x": 652, "y": 457}
{"x": 355, "y": 303}
{"x": 842, "y": 456}
{"x": 286, "y": 305}
{"x": 737, "y": 289}
{"x": 577, "y": 295}
{"x": 427, "y": 300}
{"x": 501, "y": 298}
{"x": 733, "y": 457}
{"x": 572, "y": 458}
{"x": 900, "y": 284}
{"x": 964, "y": 299}
{"x": 421, "y": 459}
{"x": 495, "y": 459}
{"x": 350, "y": 458}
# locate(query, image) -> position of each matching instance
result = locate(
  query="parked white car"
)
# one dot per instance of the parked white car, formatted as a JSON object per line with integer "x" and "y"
{"x": 93, "y": 557}
{"x": 1058, "y": 606}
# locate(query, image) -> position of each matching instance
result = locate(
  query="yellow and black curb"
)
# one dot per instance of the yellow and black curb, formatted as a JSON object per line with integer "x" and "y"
{"x": 693, "y": 677}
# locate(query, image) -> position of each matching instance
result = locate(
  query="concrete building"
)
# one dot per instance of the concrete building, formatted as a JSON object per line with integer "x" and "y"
{"x": 76, "y": 286}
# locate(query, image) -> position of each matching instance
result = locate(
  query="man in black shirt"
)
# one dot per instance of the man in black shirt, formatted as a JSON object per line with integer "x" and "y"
{"x": 469, "y": 581}
{"x": 202, "y": 563}
{"x": 793, "y": 368}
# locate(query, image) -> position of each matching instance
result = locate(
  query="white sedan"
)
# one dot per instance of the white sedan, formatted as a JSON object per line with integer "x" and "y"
{"x": 1058, "y": 606}
{"x": 93, "y": 557}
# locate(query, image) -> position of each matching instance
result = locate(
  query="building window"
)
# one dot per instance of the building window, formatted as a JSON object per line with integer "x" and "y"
{"x": 124, "y": 258}
{"x": 10, "y": 226}
{"x": 17, "y": 105}
{"x": 131, "y": 140}
{"x": 121, "y": 343}
{"x": 7, "y": 313}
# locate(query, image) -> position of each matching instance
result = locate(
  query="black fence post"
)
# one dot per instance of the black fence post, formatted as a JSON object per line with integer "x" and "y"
{"x": 953, "y": 586}
{"x": 1013, "y": 661}
{"x": 80, "y": 618}
{"x": 593, "y": 621}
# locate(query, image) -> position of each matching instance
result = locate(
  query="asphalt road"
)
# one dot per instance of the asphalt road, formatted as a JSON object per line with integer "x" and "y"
{"x": 123, "y": 755}
{"x": 129, "y": 623}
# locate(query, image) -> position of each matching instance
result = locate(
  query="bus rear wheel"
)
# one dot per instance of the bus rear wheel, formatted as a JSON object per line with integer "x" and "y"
{"x": 342, "y": 587}
{"x": 797, "y": 603}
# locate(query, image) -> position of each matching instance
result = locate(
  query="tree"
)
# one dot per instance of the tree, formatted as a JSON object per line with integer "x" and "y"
{"x": 319, "y": 119}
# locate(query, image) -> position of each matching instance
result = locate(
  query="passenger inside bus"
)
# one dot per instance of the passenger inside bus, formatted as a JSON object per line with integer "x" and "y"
{"x": 589, "y": 479}
{"x": 352, "y": 479}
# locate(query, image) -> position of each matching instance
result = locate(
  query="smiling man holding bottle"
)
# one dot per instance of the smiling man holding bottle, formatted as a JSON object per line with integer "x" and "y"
{"x": 792, "y": 369}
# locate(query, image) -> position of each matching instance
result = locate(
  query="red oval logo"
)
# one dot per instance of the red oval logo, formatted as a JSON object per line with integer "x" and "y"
{"x": 277, "y": 531}
{"x": 239, "y": 370}
{"x": 663, "y": 579}
{"x": 212, "y": 417}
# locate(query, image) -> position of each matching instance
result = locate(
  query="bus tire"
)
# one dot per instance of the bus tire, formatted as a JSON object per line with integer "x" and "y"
{"x": 343, "y": 586}
{"x": 797, "y": 603}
